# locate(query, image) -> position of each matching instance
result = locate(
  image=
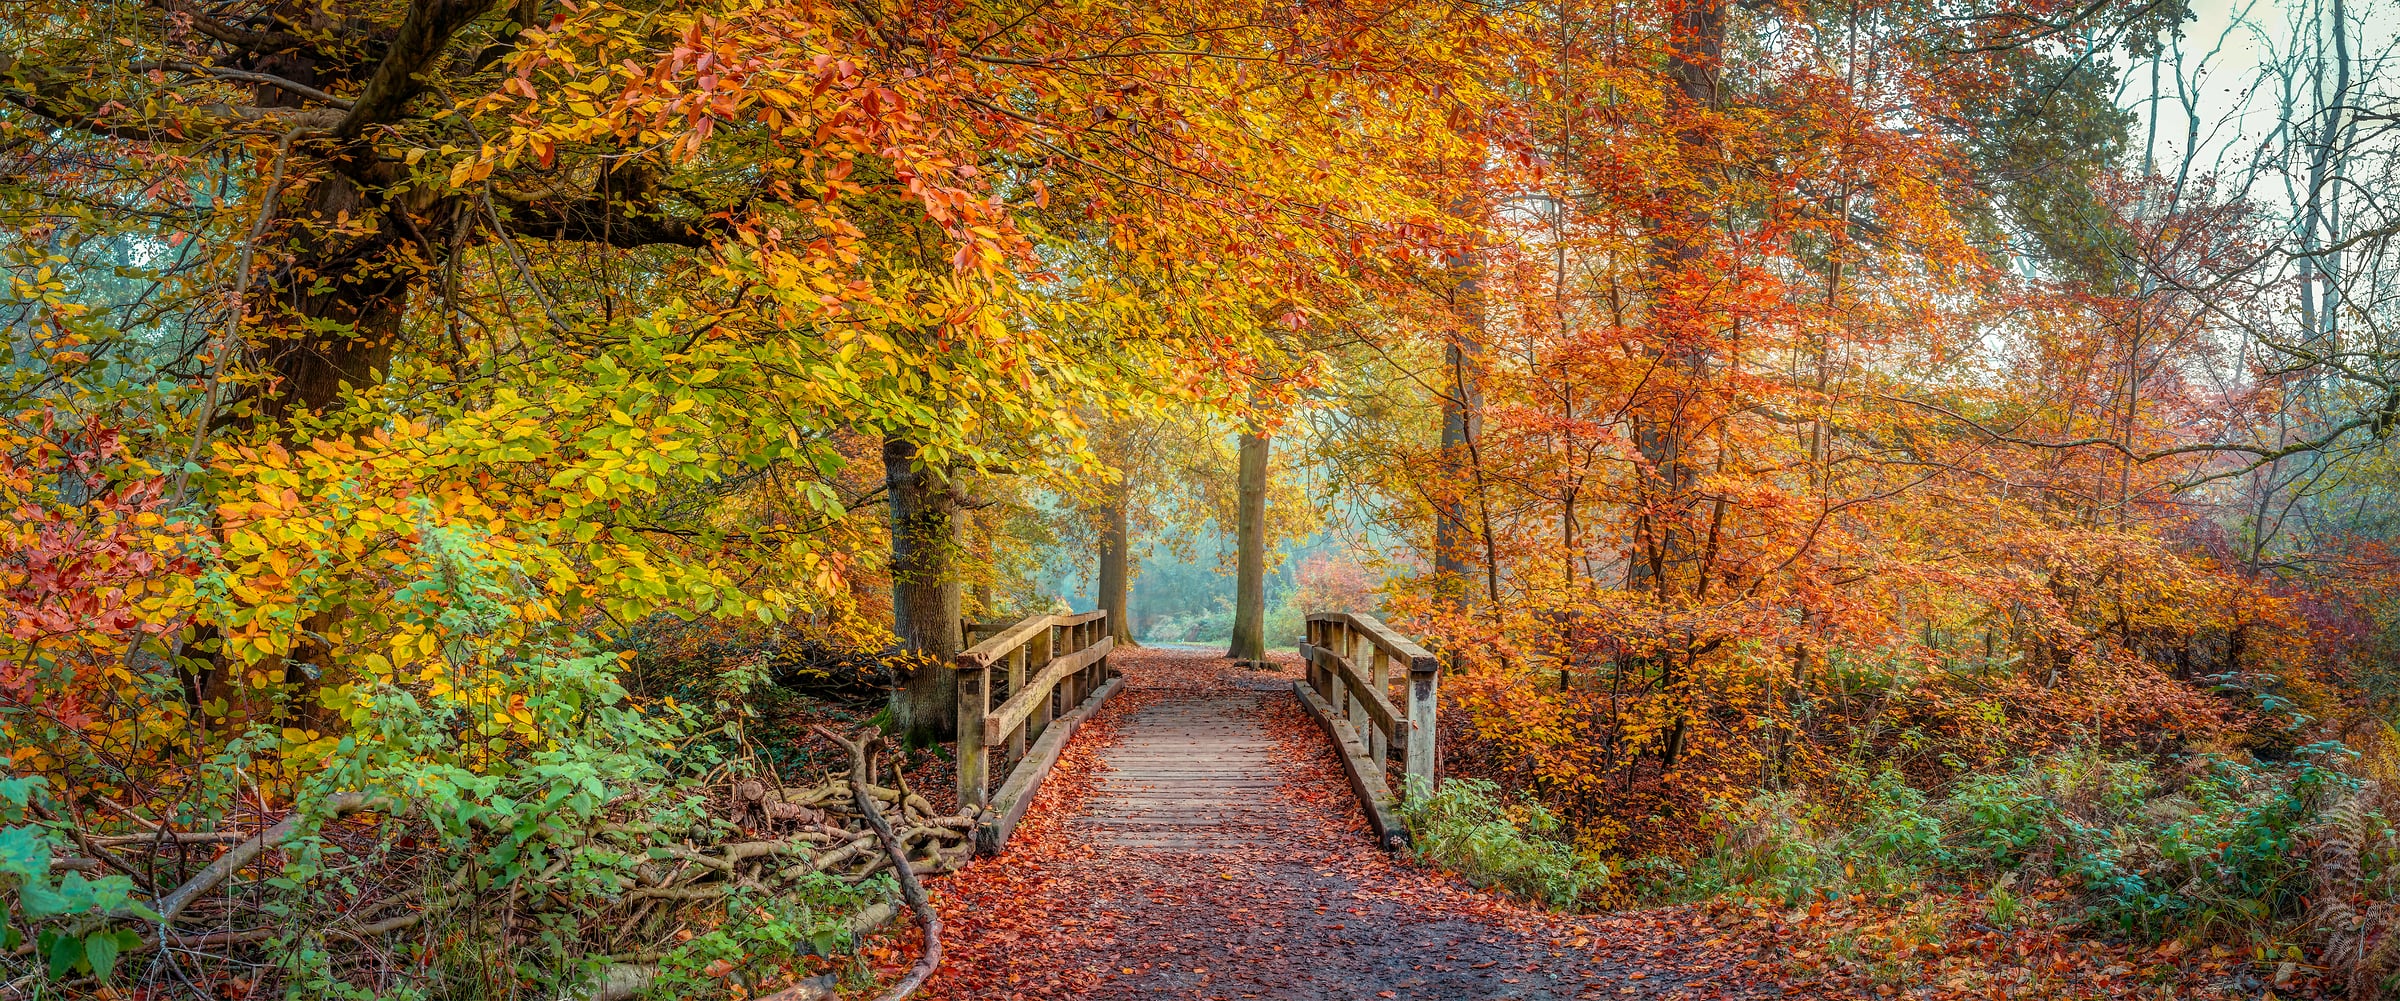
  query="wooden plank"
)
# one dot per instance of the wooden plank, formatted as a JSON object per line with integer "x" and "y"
{"x": 1016, "y": 682}
{"x": 989, "y": 652}
{"x": 1420, "y": 755}
{"x": 1366, "y": 774}
{"x": 1008, "y": 807}
{"x": 973, "y": 701}
{"x": 1020, "y": 705}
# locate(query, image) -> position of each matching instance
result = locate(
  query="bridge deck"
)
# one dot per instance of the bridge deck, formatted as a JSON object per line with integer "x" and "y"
{"x": 1200, "y": 842}
{"x": 1200, "y": 777}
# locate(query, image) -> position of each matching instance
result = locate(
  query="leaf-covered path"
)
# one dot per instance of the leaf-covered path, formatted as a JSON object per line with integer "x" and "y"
{"x": 1198, "y": 841}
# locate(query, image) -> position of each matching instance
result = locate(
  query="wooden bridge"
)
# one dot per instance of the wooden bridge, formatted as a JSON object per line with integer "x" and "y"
{"x": 1024, "y": 690}
{"x": 1177, "y": 824}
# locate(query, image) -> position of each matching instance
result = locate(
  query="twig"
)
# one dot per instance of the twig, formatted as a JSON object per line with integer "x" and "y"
{"x": 245, "y": 76}
{"x": 233, "y": 324}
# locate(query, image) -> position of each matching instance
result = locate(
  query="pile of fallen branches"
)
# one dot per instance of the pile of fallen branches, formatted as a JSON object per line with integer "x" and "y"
{"x": 389, "y": 900}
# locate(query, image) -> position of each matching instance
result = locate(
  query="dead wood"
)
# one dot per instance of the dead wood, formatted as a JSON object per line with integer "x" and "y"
{"x": 792, "y": 833}
{"x": 897, "y": 852}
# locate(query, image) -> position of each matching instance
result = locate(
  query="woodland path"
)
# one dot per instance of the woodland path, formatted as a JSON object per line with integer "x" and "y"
{"x": 1201, "y": 843}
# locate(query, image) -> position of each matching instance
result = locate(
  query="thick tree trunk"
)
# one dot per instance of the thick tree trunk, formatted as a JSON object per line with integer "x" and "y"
{"x": 319, "y": 340}
{"x": 1116, "y": 578}
{"x": 1461, "y": 410}
{"x": 925, "y": 594}
{"x": 1250, "y": 556}
{"x": 1683, "y": 320}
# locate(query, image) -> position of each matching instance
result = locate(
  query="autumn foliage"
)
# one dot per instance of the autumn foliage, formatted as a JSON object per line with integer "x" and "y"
{"x": 448, "y": 411}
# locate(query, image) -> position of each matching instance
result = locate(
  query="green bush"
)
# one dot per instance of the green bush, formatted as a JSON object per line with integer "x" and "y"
{"x": 762, "y": 932}
{"x": 1467, "y": 828}
{"x": 2219, "y": 852}
{"x": 1782, "y": 845}
{"x": 2220, "y": 855}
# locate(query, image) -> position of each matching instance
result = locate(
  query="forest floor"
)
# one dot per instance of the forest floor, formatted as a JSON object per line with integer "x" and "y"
{"x": 1283, "y": 894}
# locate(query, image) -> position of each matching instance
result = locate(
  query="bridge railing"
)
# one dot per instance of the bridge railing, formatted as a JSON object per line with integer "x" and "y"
{"x": 1354, "y": 661}
{"x": 1050, "y": 673}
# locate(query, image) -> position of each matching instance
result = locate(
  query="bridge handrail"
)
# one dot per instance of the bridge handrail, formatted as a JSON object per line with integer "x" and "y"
{"x": 1056, "y": 673}
{"x": 1350, "y": 657}
{"x": 1397, "y": 647}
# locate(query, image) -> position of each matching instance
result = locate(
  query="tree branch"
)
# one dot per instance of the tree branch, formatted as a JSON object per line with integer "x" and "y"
{"x": 246, "y": 76}
{"x": 399, "y": 77}
{"x": 598, "y": 218}
{"x": 910, "y": 889}
{"x": 241, "y": 38}
{"x": 44, "y": 91}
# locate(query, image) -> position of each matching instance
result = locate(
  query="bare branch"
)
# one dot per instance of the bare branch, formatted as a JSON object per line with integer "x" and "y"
{"x": 246, "y": 76}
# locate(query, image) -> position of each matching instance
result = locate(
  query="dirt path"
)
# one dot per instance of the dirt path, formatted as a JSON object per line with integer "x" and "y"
{"x": 1198, "y": 841}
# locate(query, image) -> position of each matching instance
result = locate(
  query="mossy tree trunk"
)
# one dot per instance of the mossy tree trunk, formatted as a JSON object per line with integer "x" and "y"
{"x": 925, "y": 593}
{"x": 1250, "y": 540}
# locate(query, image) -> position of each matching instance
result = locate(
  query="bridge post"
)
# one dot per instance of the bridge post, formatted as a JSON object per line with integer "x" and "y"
{"x": 974, "y": 700}
{"x": 1354, "y": 647}
{"x": 1424, "y": 678}
{"x": 1337, "y": 693}
{"x": 1016, "y": 683}
{"x": 1097, "y": 674}
{"x": 1379, "y": 676}
{"x": 1092, "y": 631}
{"x": 1069, "y": 687}
{"x": 1043, "y": 647}
{"x": 1315, "y": 631}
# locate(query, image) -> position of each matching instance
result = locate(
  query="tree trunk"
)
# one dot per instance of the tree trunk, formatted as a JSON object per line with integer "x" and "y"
{"x": 1685, "y": 322}
{"x": 1116, "y": 578}
{"x": 925, "y": 594}
{"x": 1461, "y": 404}
{"x": 1682, "y": 317}
{"x": 1250, "y": 563}
{"x": 319, "y": 339}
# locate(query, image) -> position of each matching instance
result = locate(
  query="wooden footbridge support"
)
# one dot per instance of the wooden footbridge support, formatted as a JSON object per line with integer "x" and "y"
{"x": 1354, "y": 661}
{"x": 1050, "y": 673}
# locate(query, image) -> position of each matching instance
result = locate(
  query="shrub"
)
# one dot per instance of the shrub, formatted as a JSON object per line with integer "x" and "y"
{"x": 1782, "y": 845}
{"x": 1465, "y": 827}
{"x": 763, "y": 932}
{"x": 2232, "y": 849}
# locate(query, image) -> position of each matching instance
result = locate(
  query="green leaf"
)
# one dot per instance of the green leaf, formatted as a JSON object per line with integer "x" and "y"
{"x": 40, "y": 901}
{"x": 65, "y": 953}
{"x": 100, "y": 949}
{"x": 16, "y": 793}
{"x": 24, "y": 851}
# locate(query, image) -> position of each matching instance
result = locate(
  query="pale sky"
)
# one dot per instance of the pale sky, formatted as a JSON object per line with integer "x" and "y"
{"x": 2225, "y": 79}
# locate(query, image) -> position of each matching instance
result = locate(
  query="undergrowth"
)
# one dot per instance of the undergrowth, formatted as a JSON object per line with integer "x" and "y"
{"x": 1467, "y": 828}
{"x": 2288, "y": 862}
{"x": 2281, "y": 858}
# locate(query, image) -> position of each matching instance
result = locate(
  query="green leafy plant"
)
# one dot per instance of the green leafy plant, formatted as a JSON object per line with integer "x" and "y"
{"x": 1467, "y": 828}
{"x": 1786, "y": 846}
{"x": 762, "y": 933}
{"x": 65, "y": 915}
